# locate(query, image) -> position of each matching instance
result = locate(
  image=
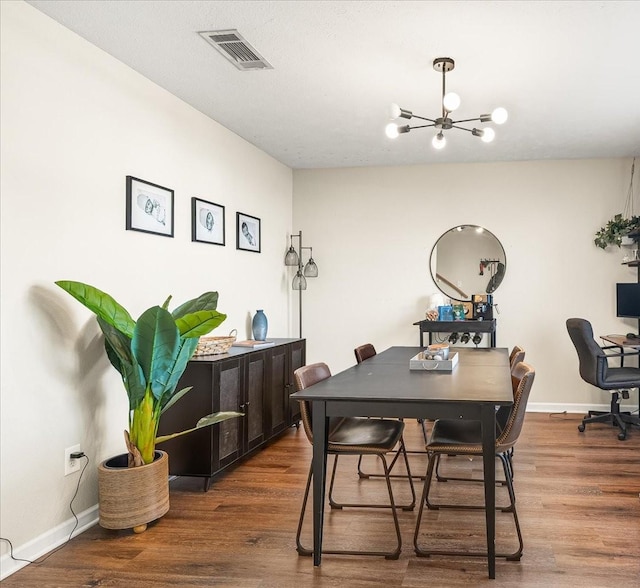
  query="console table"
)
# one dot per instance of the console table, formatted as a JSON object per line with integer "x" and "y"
{"x": 457, "y": 327}
{"x": 256, "y": 382}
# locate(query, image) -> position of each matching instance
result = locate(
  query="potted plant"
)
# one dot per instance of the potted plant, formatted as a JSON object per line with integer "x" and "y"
{"x": 151, "y": 355}
{"x": 616, "y": 229}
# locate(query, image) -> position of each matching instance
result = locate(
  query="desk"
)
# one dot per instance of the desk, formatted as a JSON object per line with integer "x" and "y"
{"x": 384, "y": 386}
{"x": 621, "y": 341}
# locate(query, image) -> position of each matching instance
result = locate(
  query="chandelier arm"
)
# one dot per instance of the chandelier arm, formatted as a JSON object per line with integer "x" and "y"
{"x": 424, "y": 118}
{"x": 422, "y": 126}
{"x": 467, "y": 120}
{"x": 454, "y": 126}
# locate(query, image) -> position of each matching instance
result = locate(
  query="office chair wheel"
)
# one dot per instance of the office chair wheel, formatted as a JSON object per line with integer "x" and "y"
{"x": 581, "y": 427}
{"x": 622, "y": 436}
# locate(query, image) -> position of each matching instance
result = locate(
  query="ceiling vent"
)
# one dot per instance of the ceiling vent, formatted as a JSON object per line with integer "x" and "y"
{"x": 233, "y": 47}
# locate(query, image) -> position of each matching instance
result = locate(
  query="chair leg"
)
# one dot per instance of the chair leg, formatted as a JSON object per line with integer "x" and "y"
{"x": 441, "y": 478}
{"x": 511, "y": 508}
{"x": 401, "y": 451}
{"x": 394, "y": 554}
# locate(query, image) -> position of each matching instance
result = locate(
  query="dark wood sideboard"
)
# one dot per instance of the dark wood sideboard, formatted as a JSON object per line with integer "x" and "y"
{"x": 256, "y": 382}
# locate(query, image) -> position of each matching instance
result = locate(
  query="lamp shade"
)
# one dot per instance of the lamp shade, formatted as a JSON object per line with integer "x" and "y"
{"x": 311, "y": 269}
{"x": 299, "y": 281}
{"x": 291, "y": 258}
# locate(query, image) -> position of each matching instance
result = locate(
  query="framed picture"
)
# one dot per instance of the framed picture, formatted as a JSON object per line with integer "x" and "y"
{"x": 247, "y": 232}
{"x": 207, "y": 222}
{"x": 149, "y": 207}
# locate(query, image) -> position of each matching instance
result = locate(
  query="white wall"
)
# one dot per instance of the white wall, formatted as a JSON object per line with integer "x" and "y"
{"x": 372, "y": 231}
{"x": 74, "y": 123}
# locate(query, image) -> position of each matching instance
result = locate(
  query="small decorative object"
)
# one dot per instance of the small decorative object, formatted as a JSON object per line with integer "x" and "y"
{"x": 215, "y": 345}
{"x": 149, "y": 207}
{"x": 431, "y": 315}
{"x": 247, "y": 232}
{"x": 445, "y": 313}
{"x": 424, "y": 361}
{"x": 259, "y": 326}
{"x": 437, "y": 351}
{"x": 458, "y": 312}
{"x": 207, "y": 222}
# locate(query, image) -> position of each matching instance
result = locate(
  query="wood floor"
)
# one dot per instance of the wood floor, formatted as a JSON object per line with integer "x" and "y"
{"x": 577, "y": 499}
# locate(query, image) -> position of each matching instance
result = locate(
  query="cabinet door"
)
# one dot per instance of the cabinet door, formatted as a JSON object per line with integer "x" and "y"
{"x": 190, "y": 455}
{"x": 297, "y": 358}
{"x": 254, "y": 422}
{"x": 278, "y": 389}
{"x": 228, "y": 387}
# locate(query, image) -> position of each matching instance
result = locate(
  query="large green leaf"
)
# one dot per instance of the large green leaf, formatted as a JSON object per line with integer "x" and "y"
{"x": 156, "y": 346}
{"x": 101, "y": 304}
{"x": 206, "y": 301}
{"x": 174, "y": 398}
{"x": 118, "y": 348}
{"x": 199, "y": 323}
{"x": 187, "y": 349}
{"x": 210, "y": 419}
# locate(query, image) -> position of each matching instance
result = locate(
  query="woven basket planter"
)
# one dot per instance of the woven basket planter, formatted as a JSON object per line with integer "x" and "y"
{"x": 132, "y": 497}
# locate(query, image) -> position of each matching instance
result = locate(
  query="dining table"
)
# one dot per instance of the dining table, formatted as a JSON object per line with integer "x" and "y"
{"x": 385, "y": 386}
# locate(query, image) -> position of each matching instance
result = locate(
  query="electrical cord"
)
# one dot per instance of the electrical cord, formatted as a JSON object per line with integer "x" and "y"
{"x": 75, "y": 516}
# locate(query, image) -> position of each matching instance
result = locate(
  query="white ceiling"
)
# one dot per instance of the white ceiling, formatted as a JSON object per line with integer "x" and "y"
{"x": 568, "y": 72}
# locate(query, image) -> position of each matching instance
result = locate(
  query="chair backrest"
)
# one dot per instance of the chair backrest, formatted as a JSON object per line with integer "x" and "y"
{"x": 364, "y": 352}
{"x": 522, "y": 377}
{"x": 305, "y": 377}
{"x": 516, "y": 356}
{"x": 591, "y": 357}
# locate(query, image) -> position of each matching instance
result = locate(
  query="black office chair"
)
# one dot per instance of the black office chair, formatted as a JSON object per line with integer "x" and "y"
{"x": 352, "y": 436}
{"x": 595, "y": 370}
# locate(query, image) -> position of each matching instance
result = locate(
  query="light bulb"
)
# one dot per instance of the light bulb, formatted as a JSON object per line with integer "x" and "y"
{"x": 394, "y": 111}
{"x": 391, "y": 130}
{"x": 439, "y": 141}
{"x": 488, "y": 134}
{"x": 499, "y": 115}
{"x": 451, "y": 101}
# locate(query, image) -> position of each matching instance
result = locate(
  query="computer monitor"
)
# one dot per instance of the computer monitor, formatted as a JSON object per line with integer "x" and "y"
{"x": 628, "y": 300}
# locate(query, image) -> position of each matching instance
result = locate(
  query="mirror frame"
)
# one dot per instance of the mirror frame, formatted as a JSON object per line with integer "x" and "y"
{"x": 491, "y": 287}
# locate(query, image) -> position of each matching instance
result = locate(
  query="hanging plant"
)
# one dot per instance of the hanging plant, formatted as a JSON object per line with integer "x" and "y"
{"x": 615, "y": 229}
{"x": 621, "y": 225}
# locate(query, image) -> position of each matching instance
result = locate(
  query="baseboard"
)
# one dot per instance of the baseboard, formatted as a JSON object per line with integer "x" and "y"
{"x": 46, "y": 542}
{"x": 575, "y": 408}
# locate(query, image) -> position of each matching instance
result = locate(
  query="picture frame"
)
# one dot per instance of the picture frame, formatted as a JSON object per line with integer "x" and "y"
{"x": 248, "y": 232}
{"x": 207, "y": 222}
{"x": 149, "y": 207}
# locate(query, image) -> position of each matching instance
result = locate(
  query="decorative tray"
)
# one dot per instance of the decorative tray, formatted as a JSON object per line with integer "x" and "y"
{"x": 419, "y": 363}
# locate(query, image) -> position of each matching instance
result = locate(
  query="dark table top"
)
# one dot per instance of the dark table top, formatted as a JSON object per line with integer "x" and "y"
{"x": 481, "y": 376}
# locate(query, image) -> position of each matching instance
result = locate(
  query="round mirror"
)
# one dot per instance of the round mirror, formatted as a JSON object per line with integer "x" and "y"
{"x": 467, "y": 260}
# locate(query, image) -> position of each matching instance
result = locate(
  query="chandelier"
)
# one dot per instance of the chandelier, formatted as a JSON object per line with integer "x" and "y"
{"x": 450, "y": 102}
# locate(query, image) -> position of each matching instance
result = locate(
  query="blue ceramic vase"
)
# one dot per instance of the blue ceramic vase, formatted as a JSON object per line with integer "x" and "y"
{"x": 259, "y": 326}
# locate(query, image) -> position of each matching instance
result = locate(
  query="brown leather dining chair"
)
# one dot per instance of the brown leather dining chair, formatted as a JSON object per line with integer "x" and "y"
{"x": 464, "y": 437}
{"x": 352, "y": 436}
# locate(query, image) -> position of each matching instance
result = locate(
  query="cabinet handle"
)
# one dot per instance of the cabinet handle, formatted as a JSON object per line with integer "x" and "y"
{"x": 242, "y": 406}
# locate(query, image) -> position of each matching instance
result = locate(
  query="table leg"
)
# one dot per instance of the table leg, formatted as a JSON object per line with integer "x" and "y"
{"x": 488, "y": 419}
{"x": 320, "y": 429}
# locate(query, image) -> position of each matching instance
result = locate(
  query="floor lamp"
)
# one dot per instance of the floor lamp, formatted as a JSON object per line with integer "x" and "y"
{"x": 309, "y": 270}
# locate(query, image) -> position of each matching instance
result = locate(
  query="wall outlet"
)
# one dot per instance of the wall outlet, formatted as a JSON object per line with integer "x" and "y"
{"x": 71, "y": 465}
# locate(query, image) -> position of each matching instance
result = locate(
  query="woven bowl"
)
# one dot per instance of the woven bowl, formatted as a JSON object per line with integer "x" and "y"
{"x": 215, "y": 345}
